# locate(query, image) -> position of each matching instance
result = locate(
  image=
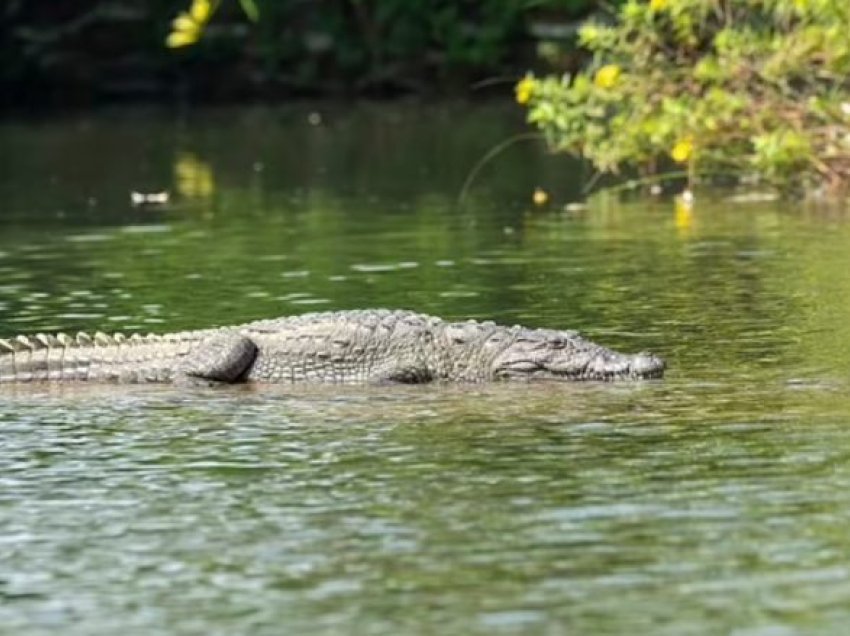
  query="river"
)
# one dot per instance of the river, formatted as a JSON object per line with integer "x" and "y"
{"x": 715, "y": 501}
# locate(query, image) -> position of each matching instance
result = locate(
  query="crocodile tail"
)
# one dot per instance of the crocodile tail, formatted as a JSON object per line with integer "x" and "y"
{"x": 59, "y": 357}
{"x": 36, "y": 358}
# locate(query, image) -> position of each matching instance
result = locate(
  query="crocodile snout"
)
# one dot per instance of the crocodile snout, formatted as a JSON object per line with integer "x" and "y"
{"x": 646, "y": 365}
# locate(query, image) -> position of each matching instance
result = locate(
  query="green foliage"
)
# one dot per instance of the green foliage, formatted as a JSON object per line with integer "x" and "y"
{"x": 250, "y": 9}
{"x": 751, "y": 87}
{"x": 79, "y": 52}
{"x": 382, "y": 42}
{"x": 391, "y": 41}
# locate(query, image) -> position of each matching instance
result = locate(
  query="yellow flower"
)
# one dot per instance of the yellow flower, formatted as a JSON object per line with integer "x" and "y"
{"x": 184, "y": 22}
{"x": 682, "y": 150}
{"x": 524, "y": 89}
{"x": 658, "y": 5}
{"x": 187, "y": 27}
{"x": 200, "y": 11}
{"x": 607, "y": 76}
{"x": 186, "y": 37}
{"x": 540, "y": 197}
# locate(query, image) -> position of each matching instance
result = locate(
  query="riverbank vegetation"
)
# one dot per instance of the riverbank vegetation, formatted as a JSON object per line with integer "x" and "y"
{"x": 105, "y": 50}
{"x": 754, "y": 89}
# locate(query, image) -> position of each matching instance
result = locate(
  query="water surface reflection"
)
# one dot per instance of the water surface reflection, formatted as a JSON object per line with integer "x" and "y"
{"x": 711, "y": 502}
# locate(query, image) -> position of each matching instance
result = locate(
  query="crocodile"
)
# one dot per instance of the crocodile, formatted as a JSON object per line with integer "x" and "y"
{"x": 361, "y": 346}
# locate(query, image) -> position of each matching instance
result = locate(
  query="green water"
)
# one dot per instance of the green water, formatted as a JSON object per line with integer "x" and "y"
{"x": 716, "y": 501}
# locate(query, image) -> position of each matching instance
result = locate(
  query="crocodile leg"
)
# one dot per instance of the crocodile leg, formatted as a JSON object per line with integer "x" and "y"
{"x": 222, "y": 358}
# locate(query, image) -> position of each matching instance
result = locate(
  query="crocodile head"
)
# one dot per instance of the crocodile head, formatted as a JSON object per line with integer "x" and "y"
{"x": 543, "y": 354}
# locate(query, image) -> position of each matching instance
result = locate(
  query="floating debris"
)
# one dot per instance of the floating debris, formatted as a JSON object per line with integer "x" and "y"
{"x": 753, "y": 197}
{"x": 139, "y": 199}
{"x": 540, "y": 197}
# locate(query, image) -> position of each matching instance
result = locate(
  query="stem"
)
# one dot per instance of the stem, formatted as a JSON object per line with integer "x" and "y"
{"x": 495, "y": 150}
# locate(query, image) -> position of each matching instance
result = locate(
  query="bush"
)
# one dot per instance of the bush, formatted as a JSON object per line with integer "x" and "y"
{"x": 755, "y": 88}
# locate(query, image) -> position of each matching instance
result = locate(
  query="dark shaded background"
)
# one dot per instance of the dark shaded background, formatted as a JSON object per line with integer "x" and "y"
{"x": 64, "y": 53}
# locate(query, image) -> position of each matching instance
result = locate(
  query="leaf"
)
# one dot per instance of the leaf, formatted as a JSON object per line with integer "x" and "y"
{"x": 250, "y": 9}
